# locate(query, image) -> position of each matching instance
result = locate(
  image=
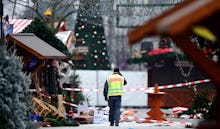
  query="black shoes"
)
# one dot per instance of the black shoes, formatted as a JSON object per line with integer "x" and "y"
{"x": 112, "y": 124}
{"x": 116, "y": 123}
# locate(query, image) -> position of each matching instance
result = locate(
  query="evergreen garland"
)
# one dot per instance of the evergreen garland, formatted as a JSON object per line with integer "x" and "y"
{"x": 15, "y": 99}
{"x": 156, "y": 58}
{"x": 43, "y": 32}
{"x": 52, "y": 83}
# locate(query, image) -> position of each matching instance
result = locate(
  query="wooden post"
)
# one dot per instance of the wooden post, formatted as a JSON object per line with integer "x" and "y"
{"x": 155, "y": 103}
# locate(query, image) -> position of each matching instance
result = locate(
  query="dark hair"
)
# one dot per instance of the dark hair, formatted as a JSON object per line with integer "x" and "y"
{"x": 116, "y": 70}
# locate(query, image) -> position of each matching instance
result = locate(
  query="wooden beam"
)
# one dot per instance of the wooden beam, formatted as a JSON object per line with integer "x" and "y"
{"x": 148, "y": 27}
{"x": 175, "y": 20}
{"x": 183, "y": 19}
{"x": 208, "y": 66}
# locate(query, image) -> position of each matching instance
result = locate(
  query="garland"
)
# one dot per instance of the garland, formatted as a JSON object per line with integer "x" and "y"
{"x": 156, "y": 58}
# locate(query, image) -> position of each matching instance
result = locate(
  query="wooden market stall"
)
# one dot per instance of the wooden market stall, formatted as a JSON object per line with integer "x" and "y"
{"x": 178, "y": 23}
{"x": 36, "y": 55}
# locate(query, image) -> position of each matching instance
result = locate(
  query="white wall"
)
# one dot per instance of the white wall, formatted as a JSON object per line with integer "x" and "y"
{"x": 96, "y": 79}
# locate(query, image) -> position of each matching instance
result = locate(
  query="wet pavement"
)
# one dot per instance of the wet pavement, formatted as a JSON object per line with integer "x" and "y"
{"x": 171, "y": 123}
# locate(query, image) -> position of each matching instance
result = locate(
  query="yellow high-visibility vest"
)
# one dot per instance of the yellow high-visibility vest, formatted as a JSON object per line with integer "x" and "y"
{"x": 115, "y": 85}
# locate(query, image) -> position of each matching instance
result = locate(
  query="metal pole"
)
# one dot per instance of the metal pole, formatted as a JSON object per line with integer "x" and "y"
{"x": 14, "y": 8}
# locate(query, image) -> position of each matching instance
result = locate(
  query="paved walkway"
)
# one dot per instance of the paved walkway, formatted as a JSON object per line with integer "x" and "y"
{"x": 124, "y": 125}
{"x": 171, "y": 123}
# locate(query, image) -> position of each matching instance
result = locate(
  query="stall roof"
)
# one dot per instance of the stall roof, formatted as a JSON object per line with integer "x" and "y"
{"x": 176, "y": 20}
{"x": 36, "y": 46}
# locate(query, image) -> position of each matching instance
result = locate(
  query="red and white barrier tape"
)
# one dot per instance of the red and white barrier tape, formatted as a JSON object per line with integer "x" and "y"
{"x": 150, "y": 89}
{"x": 46, "y": 96}
{"x": 183, "y": 84}
{"x": 64, "y": 102}
{"x": 71, "y": 104}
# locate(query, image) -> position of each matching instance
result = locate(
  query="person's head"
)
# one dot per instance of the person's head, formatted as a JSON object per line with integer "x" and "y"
{"x": 116, "y": 70}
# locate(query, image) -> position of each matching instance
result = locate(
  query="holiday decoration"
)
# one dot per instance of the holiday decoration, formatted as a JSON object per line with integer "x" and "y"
{"x": 89, "y": 28}
{"x": 165, "y": 42}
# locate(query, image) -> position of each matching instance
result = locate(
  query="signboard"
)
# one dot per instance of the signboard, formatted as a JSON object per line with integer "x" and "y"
{"x": 82, "y": 49}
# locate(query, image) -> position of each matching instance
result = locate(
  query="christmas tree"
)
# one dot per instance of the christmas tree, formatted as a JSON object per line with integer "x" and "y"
{"x": 14, "y": 96}
{"x": 90, "y": 32}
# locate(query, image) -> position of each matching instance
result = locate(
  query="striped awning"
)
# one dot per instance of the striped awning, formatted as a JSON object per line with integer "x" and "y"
{"x": 19, "y": 24}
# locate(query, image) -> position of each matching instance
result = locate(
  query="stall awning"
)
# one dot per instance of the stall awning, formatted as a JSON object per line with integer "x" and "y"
{"x": 36, "y": 46}
{"x": 19, "y": 24}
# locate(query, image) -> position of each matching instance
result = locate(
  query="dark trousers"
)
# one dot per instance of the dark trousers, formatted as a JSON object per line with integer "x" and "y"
{"x": 115, "y": 106}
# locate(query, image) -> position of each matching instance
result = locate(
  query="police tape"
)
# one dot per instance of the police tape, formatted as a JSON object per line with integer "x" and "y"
{"x": 150, "y": 89}
{"x": 46, "y": 96}
{"x": 64, "y": 102}
{"x": 70, "y": 104}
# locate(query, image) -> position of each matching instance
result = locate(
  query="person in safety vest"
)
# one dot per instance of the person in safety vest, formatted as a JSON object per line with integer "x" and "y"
{"x": 113, "y": 90}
